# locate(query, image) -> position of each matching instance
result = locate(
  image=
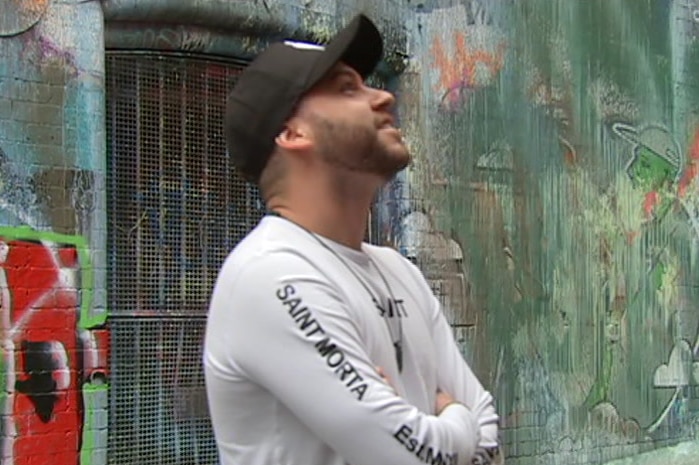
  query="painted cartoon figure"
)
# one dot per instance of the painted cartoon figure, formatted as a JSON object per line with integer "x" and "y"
{"x": 654, "y": 166}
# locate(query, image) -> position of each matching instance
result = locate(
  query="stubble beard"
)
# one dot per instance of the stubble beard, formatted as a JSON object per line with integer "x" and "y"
{"x": 357, "y": 149}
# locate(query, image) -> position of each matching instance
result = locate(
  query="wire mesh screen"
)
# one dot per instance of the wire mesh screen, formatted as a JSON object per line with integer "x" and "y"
{"x": 158, "y": 412}
{"x": 176, "y": 207}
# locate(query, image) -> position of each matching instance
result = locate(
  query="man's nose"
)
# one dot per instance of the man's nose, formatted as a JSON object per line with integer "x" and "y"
{"x": 382, "y": 100}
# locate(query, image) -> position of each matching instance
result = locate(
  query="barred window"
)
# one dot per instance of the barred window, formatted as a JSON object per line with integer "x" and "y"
{"x": 175, "y": 210}
{"x": 176, "y": 207}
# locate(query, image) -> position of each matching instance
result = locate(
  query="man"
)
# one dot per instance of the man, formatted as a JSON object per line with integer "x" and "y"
{"x": 321, "y": 349}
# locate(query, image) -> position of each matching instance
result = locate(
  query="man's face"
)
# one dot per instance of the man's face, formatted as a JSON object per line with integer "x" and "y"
{"x": 352, "y": 125}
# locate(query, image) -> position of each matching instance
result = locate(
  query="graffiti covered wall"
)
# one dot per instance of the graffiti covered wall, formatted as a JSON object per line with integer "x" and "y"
{"x": 53, "y": 368}
{"x": 55, "y": 361}
{"x": 559, "y": 143}
{"x": 553, "y": 206}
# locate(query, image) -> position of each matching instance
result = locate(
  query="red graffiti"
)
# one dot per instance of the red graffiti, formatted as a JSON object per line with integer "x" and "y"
{"x": 652, "y": 199}
{"x": 43, "y": 357}
{"x": 692, "y": 169}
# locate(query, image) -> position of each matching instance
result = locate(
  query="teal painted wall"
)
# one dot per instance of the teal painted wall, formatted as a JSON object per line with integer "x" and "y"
{"x": 557, "y": 143}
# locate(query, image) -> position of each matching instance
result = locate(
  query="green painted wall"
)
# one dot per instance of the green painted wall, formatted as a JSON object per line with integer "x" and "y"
{"x": 557, "y": 143}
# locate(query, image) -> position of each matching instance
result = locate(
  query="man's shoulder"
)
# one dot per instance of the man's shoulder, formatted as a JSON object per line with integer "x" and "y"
{"x": 269, "y": 249}
{"x": 259, "y": 257}
{"x": 388, "y": 256}
{"x": 398, "y": 265}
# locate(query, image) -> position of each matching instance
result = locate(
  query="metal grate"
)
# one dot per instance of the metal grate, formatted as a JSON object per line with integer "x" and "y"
{"x": 158, "y": 412}
{"x": 176, "y": 207}
{"x": 175, "y": 211}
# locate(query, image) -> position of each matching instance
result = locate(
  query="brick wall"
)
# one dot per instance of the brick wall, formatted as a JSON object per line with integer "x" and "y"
{"x": 53, "y": 369}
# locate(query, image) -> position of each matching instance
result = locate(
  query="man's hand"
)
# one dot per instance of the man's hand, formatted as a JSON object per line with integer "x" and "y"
{"x": 491, "y": 456}
{"x": 443, "y": 399}
{"x": 385, "y": 377}
{"x": 488, "y": 457}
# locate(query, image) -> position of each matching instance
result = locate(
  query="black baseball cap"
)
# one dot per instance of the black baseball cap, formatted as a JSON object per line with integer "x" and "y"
{"x": 267, "y": 91}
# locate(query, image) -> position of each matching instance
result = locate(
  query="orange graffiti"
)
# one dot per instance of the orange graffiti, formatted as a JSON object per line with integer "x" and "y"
{"x": 459, "y": 70}
{"x": 692, "y": 169}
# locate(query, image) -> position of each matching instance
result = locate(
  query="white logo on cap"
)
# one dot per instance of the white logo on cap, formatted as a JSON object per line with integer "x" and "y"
{"x": 303, "y": 45}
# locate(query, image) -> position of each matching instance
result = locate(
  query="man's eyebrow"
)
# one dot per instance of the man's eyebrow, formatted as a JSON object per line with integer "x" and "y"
{"x": 337, "y": 73}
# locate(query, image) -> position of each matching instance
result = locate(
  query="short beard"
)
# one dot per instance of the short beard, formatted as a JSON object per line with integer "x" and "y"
{"x": 355, "y": 148}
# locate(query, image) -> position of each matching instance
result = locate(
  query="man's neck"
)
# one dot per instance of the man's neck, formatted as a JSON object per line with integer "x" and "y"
{"x": 342, "y": 231}
{"x": 340, "y": 217}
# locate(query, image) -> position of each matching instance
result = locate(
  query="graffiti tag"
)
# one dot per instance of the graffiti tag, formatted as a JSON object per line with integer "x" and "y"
{"x": 51, "y": 352}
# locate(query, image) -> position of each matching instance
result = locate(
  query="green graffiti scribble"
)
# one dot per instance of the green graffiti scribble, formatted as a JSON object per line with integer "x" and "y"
{"x": 599, "y": 392}
{"x": 91, "y": 425}
{"x": 86, "y": 319}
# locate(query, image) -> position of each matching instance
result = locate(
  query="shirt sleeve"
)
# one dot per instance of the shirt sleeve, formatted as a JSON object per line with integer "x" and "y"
{"x": 292, "y": 334}
{"x": 454, "y": 374}
{"x": 457, "y": 378}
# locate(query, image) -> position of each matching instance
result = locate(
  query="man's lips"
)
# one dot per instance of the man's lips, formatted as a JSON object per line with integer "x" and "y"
{"x": 387, "y": 122}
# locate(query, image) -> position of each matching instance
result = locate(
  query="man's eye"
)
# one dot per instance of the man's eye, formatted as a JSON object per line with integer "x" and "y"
{"x": 348, "y": 86}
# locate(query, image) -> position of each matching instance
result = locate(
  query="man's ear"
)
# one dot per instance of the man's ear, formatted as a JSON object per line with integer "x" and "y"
{"x": 294, "y": 137}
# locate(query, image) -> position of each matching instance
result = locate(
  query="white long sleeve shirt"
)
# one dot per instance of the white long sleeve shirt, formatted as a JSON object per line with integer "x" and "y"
{"x": 292, "y": 347}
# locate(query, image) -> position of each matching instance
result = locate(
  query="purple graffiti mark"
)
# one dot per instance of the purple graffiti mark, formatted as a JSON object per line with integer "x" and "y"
{"x": 42, "y": 50}
{"x": 49, "y": 50}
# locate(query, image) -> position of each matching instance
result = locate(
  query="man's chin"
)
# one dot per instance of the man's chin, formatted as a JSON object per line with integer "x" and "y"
{"x": 402, "y": 158}
{"x": 398, "y": 162}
